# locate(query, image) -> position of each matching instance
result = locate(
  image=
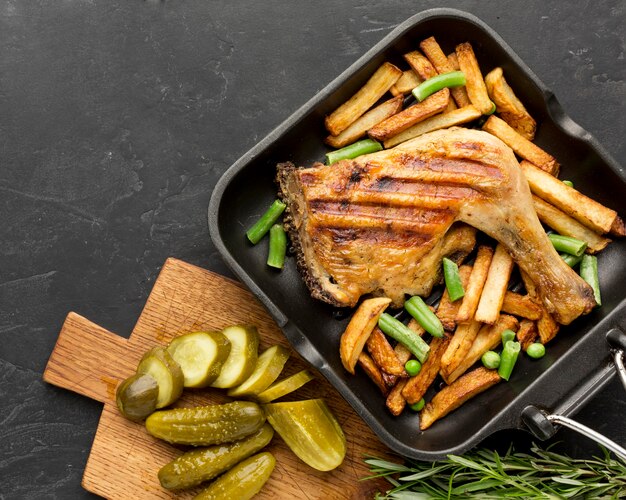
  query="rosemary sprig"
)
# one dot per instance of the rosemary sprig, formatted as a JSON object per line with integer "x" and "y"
{"x": 484, "y": 474}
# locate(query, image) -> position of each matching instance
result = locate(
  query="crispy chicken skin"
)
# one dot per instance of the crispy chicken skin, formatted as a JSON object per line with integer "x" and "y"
{"x": 381, "y": 223}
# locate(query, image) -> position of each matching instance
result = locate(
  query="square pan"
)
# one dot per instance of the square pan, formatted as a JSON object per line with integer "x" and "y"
{"x": 577, "y": 364}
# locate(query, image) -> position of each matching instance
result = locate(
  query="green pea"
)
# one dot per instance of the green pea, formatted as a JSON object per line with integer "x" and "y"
{"x": 413, "y": 367}
{"x": 491, "y": 360}
{"x": 536, "y": 350}
{"x": 418, "y": 406}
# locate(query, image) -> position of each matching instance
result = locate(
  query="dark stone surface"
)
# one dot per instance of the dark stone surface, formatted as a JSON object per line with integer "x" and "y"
{"x": 118, "y": 117}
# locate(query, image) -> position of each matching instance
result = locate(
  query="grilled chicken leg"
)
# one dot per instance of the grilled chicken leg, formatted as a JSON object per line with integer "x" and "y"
{"x": 377, "y": 224}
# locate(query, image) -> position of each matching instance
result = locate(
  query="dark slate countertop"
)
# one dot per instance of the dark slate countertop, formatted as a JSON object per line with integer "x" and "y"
{"x": 118, "y": 117}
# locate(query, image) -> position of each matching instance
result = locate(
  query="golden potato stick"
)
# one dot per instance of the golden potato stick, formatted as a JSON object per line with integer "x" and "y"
{"x": 459, "y": 346}
{"x": 372, "y": 371}
{"x": 407, "y": 82}
{"x": 474, "y": 83}
{"x": 508, "y": 106}
{"x": 401, "y": 350}
{"x": 475, "y": 285}
{"x": 618, "y": 228}
{"x": 420, "y": 64}
{"x": 346, "y": 114}
{"x": 568, "y": 226}
{"x": 447, "y": 310}
{"x": 488, "y": 337}
{"x": 527, "y": 333}
{"x": 495, "y": 286}
{"x": 531, "y": 289}
{"x": 408, "y": 117}
{"x": 359, "y": 329}
{"x": 522, "y": 146}
{"x": 435, "y": 55}
{"x": 520, "y": 305}
{"x": 403, "y": 354}
{"x": 455, "y": 395}
{"x": 445, "y": 120}
{"x": 417, "y": 386}
{"x": 582, "y": 208}
{"x": 383, "y": 354}
{"x": 395, "y": 400}
{"x": 547, "y": 327}
{"x": 360, "y": 127}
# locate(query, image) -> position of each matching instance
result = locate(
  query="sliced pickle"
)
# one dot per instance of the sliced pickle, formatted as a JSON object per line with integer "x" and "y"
{"x": 136, "y": 396}
{"x": 243, "y": 481}
{"x": 206, "y": 425}
{"x": 197, "y": 466}
{"x": 267, "y": 369}
{"x": 158, "y": 363}
{"x": 200, "y": 355}
{"x": 310, "y": 430}
{"x": 284, "y": 387}
{"x": 244, "y": 348}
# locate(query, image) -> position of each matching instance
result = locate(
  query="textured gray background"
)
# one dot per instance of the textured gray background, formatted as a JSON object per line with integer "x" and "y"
{"x": 118, "y": 117}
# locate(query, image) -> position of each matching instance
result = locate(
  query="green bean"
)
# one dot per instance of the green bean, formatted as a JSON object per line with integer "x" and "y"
{"x": 403, "y": 334}
{"x": 507, "y": 335}
{"x": 453, "y": 279}
{"x": 353, "y": 150}
{"x": 413, "y": 367}
{"x": 536, "y": 350}
{"x": 491, "y": 360}
{"x": 569, "y": 183}
{"x": 436, "y": 83}
{"x": 278, "y": 247}
{"x": 262, "y": 226}
{"x": 589, "y": 272}
{"x": 571, "y": 260}
{"x": 417, "y": 308}
{"x": 492, "y": 110}
{"x": 508, "y": 358}
{"x": 568, "y": 244}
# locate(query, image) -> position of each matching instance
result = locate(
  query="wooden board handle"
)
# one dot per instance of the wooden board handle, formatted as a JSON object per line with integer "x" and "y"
{"x": 88, "y": 359}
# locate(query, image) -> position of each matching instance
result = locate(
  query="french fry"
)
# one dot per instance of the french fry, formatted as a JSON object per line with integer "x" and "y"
{"x": 568, "y": 226}
{"x": 445, "y": 120}
{"x": 420, "y": 64}
{"x": 395, "y": 400}
{"x": 475, "y": 285}
{"x": 522, "y": 146}
{"x": 407, "y": 82}
{"x": 455, "y": 395}
{"x": 346, "y": 114}
{"x": 582, "y": 208}
{"x": 435, "y": 55}
{"x": 495, "y": 286}
{"x": 527, "y": 333}
{"x": 383, "y": 354}
{"x": 408, "y": 117}
{"x": 547, "y": 327}
{"x": 360, "y": 127}
{"x": 508, "y": 106}
{"x": 417, "y": 386}
{"x": 372, "y": 371}
{"x": 403, "y": 354}
{"x": 474, "y": 83}
{"x": 618, "y": 228}
{"x": 488, "y": 337}
{"x": 459, "y": 346}
{"x": 359, "y": 329}
{"x": 520, "y": 305}
{"x": 447, "y": 310}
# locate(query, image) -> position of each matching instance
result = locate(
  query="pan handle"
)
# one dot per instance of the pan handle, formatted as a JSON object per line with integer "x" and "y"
{"x": 542, "y": 423}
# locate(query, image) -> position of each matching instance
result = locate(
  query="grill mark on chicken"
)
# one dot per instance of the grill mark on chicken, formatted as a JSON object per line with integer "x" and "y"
{"x": 378, "y": 224}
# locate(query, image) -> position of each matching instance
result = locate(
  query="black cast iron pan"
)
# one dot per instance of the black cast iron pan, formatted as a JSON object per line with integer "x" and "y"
{"x": 578, "y": 363}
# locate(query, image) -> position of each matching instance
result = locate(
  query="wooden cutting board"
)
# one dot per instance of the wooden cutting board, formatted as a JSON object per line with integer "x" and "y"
{"x": 124, "y": 458}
